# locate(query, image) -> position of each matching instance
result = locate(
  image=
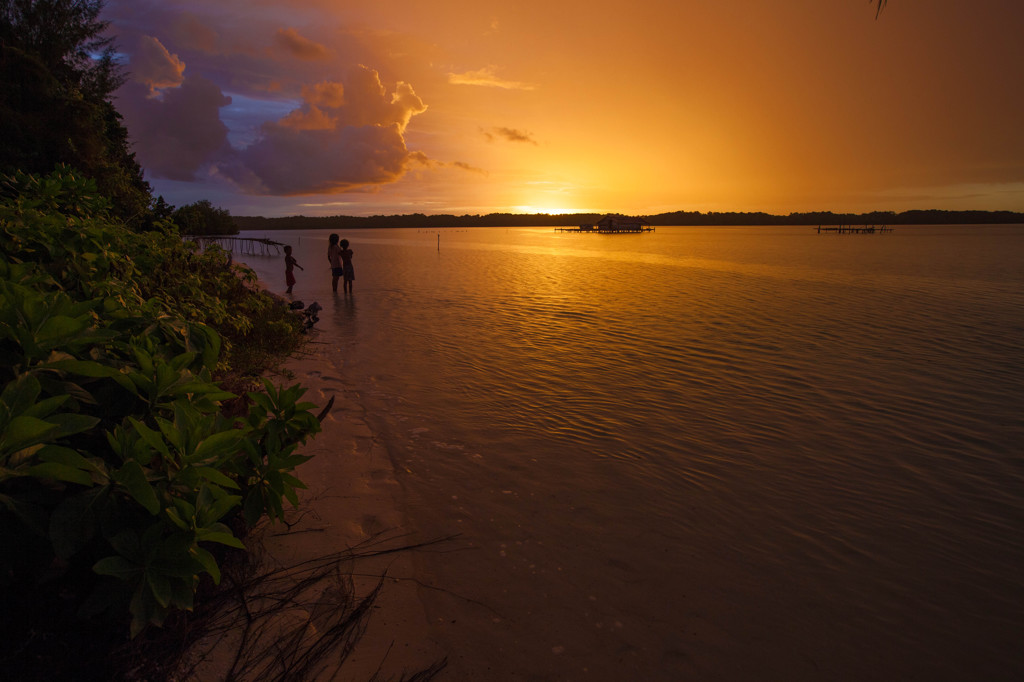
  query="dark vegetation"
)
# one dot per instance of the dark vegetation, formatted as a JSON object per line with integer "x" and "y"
{"x": 203, "y": 218}
{"x": 57, "y": 75}
{"x": 122, "y": 476}
{"x": 138, "y": 445}
{"x": 419, "y": 220}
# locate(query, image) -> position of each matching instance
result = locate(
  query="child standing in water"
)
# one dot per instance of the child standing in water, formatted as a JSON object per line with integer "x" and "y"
{"x": 347, "y": 271}
{"x": 334, "y": 258}
{"x": 289, "y": 264}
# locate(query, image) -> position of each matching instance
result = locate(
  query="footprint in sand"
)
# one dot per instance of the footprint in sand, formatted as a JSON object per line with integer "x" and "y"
{"x": 371, "y": 525}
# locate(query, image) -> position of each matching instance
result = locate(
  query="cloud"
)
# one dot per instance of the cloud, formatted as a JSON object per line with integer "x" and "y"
{"x": 467, "y": 167}
{"x": 176, "y": 134}
{"x": 342, "y": 138}
{"x": 486, "y": 77}
{"x": 191, "y": 33}
{"x": 153, "y": 65}
{"x": 509, "y": 134}
{"x": 326, "y": 94}
{"x": 299, "y": 124}
{"x": 299, "y": 46}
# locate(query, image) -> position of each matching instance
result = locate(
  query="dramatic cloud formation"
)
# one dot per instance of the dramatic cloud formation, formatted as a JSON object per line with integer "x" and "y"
{"x": 155, "y": 66}
{"x": 344, "y": 136}
{"x": 173, "y": 119}
{"x": 339, "y": 136}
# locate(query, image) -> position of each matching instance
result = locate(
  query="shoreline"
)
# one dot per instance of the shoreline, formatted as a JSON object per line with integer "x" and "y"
{"x": 354, "y": 498}
{"x": 352, "y": 507}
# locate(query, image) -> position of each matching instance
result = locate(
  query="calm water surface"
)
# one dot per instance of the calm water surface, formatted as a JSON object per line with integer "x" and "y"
{"x": 700, "y": 453}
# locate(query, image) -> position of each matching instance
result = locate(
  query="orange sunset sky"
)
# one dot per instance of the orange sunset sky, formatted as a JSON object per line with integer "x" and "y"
{"x": 360, "y": 107}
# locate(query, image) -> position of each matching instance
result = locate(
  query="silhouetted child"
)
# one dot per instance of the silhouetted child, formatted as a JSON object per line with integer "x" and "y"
{"x": 347, "y": 271}
{"x": 289, "y": 264}
{"x": 334, "y": 258}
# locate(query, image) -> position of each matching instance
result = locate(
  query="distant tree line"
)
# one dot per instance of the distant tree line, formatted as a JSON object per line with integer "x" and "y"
{"x": 916, "y": 217}
{"x": 419, "y": 220}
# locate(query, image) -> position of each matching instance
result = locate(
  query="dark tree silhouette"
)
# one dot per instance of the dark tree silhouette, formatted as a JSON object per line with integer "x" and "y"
{"x": 57, "y": 78}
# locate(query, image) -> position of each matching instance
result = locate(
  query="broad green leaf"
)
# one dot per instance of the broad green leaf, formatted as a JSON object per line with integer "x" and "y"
{"x": 170, "y": 432}
{"x": 263, "y": 401}
{"x": 160, "y": 586}
{"x": 21, "y": 393}
{"x": 216, "y": 476}
{"x": 223, "y": 538}
{"x": 16, "y": 460}
{"x": 58, "y": 329}
{"x": 45, "y": 407}
{"x": 197, "y": 388}
{"x": 69, "y": 457}
{"x": 221, "y": 507}
{"x": 118, "y": 567}
{"x": 175, "y": 518}
{"x": 126, "y": 543}
{"x": 151, "y": 437}
{"x": 24, "y": 431}
{"x": 133, "y": 478}
{"x": 185, "y": 508}
{"x": 166, "y": 377}
{"x": 182, "y": 361}
{"x": 223, "y": 444}
{"x": 85, "y": 368}
{"x": 59, "y": 472}
{"x": 218, "y": 395}
{"x": 71, "y": 424}
{"x": 208, "y": 562}
{"x": 144, "y": 359}
{"x": 292, "y": 481}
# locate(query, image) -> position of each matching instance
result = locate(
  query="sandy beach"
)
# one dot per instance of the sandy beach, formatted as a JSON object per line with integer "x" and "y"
{"x": 352, "y": 505}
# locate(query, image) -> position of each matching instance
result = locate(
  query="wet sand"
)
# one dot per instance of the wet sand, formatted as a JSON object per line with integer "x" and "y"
{"x": 352, "y": 502}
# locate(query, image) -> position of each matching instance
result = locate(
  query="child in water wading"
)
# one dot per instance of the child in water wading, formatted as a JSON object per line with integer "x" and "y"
{"x": 289, "y": 264}
{"x": 347, "y": 271}
{"x": 334, "y": 258}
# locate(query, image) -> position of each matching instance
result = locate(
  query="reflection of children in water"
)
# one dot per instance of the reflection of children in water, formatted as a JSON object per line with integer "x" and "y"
{"x": 334, "y": 258}
{"x": 347, "y": 271}
{"x": 289, "y": 264}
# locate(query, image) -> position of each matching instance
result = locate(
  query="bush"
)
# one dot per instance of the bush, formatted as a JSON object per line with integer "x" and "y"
{"x": 203, "y": 218}
{"x": 118, "y": 469}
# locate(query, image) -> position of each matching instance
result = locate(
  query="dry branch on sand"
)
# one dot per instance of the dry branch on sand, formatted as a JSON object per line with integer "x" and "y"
{"x": 289, "y": 624}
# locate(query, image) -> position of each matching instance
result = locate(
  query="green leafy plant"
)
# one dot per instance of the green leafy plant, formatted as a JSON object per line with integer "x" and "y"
{"x": 119, "y": 470}
{"x": 282, "y": 424}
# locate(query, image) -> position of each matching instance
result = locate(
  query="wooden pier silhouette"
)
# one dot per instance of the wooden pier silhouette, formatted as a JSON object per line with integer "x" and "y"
{"x": 251, "y": 246}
